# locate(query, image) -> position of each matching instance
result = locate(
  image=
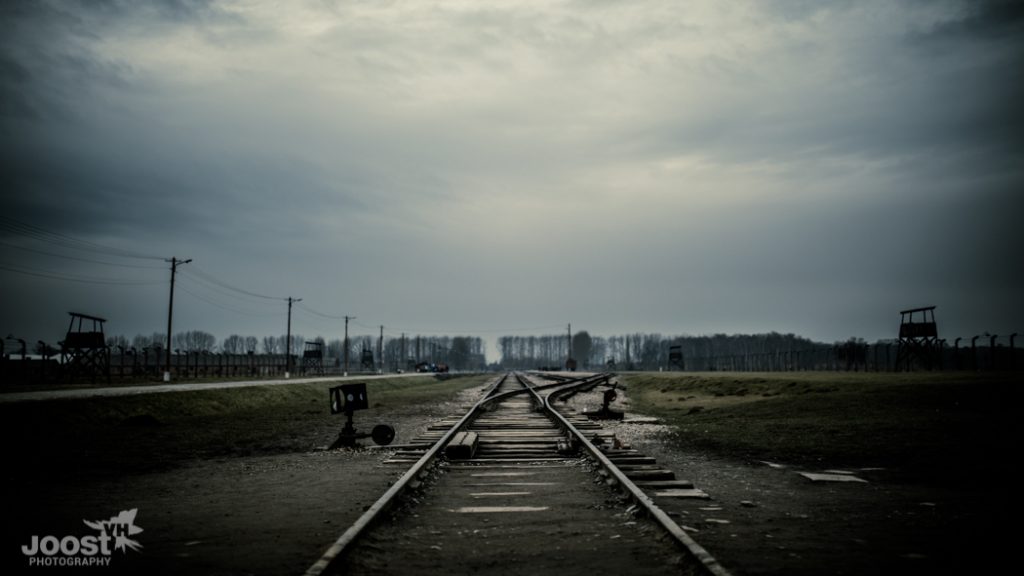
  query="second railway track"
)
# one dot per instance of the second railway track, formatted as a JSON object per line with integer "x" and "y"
{"x": 520, "y": 491}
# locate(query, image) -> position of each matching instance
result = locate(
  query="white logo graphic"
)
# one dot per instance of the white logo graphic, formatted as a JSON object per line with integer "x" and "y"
{"x": 86, "y": 550}
{"x": 121, "y": 526}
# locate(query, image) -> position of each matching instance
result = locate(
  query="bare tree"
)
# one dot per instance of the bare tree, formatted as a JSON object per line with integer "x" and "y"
{"x": 270, "y": 345}
{"x": 233, "y": 344}
{"x": 154, "y": 340}
{"x": 179, "y": 342}
{"x": 195, "y": 341}
{"x": 334, "y": 350}
{"x": 581, "y": 347}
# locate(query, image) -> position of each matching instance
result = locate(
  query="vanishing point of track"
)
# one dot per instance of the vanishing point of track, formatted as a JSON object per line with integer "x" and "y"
{"x": 514, "y": 447}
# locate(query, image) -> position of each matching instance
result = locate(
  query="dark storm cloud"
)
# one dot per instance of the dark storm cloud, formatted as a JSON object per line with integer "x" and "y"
{"x": 812, "y": 165}
{"x": 980, "y": 20}
{"x": 91, "y": 146}
{"x": 53, "y": 89}
{"x": 981, "y": 45}
{"x": 871, "y": 109}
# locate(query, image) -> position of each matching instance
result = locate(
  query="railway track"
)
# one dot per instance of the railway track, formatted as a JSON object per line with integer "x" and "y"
{"x": 520, "y": 490}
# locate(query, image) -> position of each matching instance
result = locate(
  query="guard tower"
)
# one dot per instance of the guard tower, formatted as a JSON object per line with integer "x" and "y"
{"x": 84, "y": 353}
{"x": 366, "y": 361}
{"x": 675, "y": 357}
{"x": 919, "y": 339}
{"x": 313, "y": 358}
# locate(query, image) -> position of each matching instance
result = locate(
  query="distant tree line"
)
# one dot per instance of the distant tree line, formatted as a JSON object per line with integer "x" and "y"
{"x": 647, "y": 351}
{"x": 402, "y": 353}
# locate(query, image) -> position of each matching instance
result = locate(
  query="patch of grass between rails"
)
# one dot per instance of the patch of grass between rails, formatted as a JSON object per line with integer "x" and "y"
{"x": 948, "y": 424}
{"x": 127, "y": 434}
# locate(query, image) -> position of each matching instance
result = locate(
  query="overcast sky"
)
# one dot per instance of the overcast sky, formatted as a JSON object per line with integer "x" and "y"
{"x": 495, "y": 168}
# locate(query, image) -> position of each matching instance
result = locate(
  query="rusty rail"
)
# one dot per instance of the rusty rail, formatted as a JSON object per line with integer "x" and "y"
{"x": 707, "y": 561}
{"x": 350, "y": 535}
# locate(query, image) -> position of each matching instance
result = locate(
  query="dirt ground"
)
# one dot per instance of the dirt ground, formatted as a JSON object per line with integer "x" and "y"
{"x": 764, "y": 518}
{"x": 230, "y": 514}
{"x": 253, "y": 515}
{"x": 274, "y": 511}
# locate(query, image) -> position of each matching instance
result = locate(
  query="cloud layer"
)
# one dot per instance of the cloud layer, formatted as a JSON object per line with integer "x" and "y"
{"x": 794, "y": 166}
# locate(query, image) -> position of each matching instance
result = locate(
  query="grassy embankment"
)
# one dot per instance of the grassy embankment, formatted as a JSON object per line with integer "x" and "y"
{"x": 947, "y": 423}
{"x": 117, "y": 435}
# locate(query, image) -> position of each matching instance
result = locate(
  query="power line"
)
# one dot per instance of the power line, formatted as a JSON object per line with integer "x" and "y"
{"x": 199, "y": 273}
{"x": 396, "y": 331}
{"x": 206, "y": 285}
{"x": 318, "y": 323}
{"x": 478, "y": 331}
{"x": 305, "y": 308}
{"x": 89, "y": 260}
{"x": 56, "y": 238}
{"x": 224, "y": 307}
{"x": 82, "y": 279}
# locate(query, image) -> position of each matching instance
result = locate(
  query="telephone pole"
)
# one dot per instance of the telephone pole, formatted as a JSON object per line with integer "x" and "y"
{"x": 288, "y": 340}
{"x": 380, "y": 349}
{"x": 347, "y": 318}
{"x": 170, "y": 314}
{"x": 569, "y": 353}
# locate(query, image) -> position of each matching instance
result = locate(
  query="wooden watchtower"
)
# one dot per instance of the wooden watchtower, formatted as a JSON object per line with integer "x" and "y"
{"x": 84, "y": 353}
{"x": 675, "y": 358}
{"x": 313, "y": 358}
{"x": 366, "y": 363}
{"x": 919, "y": 339}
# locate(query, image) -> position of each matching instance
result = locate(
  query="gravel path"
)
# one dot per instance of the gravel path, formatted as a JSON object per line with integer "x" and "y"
{"x": 183, "y": 387}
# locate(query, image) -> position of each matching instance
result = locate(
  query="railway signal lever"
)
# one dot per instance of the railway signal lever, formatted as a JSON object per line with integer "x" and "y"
{"x": 606, "y": 413}
{"x": 346, "y": 399}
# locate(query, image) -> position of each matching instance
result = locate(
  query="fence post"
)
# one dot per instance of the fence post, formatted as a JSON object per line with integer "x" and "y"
{"x": 1013, "y": 352}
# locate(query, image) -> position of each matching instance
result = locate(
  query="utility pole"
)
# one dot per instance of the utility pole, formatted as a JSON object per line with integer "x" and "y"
{"x": 380, "y": 349}
{"x": 401, "y": 361}
{"x": 569, "y": 348}
{"x": 170, "y": 314}
{"x": 288, "y": 340}
{"x": 347, "y": 318}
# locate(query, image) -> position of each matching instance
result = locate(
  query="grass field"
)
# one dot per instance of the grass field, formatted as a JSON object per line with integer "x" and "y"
{"x": 952, "y": 423}
{"x": 125, "y": 434}
{"x": 921, "y": 423}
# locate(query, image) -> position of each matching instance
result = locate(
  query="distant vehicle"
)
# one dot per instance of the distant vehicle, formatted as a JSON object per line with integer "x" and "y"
{"x": 430, "y": 367}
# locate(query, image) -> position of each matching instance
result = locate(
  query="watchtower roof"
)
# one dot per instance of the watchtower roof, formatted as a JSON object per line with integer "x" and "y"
{"x": 87, "y": 317}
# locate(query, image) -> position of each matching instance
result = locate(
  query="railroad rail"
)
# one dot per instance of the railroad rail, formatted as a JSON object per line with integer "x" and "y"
{"x": 515, "y": 448}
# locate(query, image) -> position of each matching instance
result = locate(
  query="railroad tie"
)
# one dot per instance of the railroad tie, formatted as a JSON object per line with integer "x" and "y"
{"x": 462, "y": 447}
